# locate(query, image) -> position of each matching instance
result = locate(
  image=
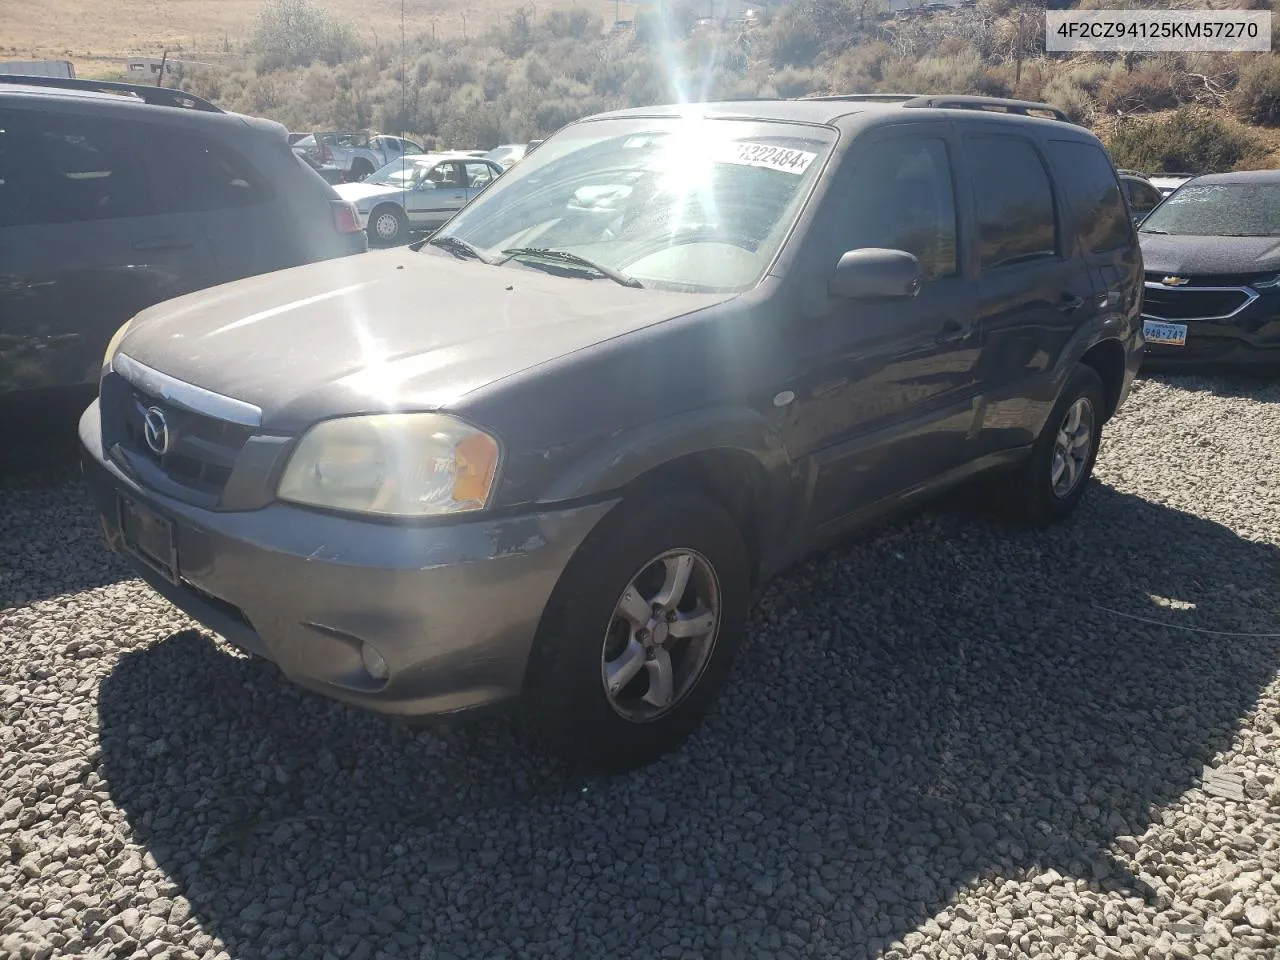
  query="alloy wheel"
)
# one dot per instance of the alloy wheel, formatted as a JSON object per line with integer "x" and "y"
{"x": 661, "y": 635}
{"x": 1072, "y": 447}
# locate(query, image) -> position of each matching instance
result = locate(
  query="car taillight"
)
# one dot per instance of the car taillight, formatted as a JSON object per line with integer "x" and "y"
{"x": 345, "y": 218}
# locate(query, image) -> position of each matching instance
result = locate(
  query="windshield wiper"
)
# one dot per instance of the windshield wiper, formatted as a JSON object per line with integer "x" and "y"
{"x": 459, "y": 247}
{"x": 1165, "y": 232}
{"x": 564, "y": 256}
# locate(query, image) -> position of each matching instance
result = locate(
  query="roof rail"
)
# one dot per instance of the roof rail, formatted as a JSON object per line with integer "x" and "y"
{"x": 949, "y": 102}
{"x": 156, "y": 96}
{"x": 1023, "y": 107}
{"x": 868, "y": 97}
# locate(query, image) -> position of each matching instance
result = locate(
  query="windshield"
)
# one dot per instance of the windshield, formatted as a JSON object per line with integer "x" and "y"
{"x": 682, "y": 204}
{"x": 404, "y": 173}
{"x": 1219, "y": 210}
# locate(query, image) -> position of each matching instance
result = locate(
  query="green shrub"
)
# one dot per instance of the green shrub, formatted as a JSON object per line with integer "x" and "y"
{"x": 296, "y": 33}
{"x": 1147, "y": 88}
{"x": 1257, "y": 96}
{"x": 1192, "y": 140}
{"x": 1065, "y": 93}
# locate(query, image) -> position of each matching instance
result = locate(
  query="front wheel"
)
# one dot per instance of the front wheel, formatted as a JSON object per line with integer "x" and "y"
{"x": 640, "y": 633}
{"x": 1052, "y": 482}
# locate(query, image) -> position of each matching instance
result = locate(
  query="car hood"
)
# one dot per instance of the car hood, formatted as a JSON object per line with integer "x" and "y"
{"x": 1206, "y": 256}
{"x": 356, "y": 192}
{"x": 388, "y": 330}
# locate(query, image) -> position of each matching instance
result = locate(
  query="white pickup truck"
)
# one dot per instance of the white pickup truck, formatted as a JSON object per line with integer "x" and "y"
{"x": 345, "y": 156}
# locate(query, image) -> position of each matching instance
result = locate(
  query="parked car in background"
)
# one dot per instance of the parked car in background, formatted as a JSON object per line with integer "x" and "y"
{"x": 546, "y": 458}
{"x": 417, "y": 193}
{"x": 353, "y": 156}
{"x": 114, "y": 197}
{"x": 1166, "y": 183}
{"x": 1142, "y": 194}
{"x": 1212, "y": 255}
{"x": 508, "y": 154}
{"x": 295, "y": 137}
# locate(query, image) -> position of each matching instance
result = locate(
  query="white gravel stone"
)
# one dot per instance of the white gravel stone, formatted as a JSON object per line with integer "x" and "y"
{"x": 956, "y": 737}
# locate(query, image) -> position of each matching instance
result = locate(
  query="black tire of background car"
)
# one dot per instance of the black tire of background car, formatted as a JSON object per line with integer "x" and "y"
{"x": 402, "y": 225}
{"x": 565, "y": 706}
{"x": 1031, "y": 495}
{"x": 361, "y": 168}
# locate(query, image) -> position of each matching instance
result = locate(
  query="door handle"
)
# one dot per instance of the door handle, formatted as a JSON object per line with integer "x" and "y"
{"x": 1067, "y": 303}
{"x": 953, "y": 331}
{"x": 164, "y": 243}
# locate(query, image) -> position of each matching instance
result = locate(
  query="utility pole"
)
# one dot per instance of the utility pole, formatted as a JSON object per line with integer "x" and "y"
{"x": 404, "y": 76}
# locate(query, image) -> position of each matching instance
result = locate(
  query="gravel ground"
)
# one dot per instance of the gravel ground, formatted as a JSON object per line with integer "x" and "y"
{"x": 953, "y": 739}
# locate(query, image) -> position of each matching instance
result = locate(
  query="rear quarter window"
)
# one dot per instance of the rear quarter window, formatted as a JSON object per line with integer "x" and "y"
{"x": 1098, "y": 214}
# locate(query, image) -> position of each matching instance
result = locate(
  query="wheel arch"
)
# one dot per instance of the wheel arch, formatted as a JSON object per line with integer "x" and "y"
{"x": 1107, "y": 357}
{"x": 730, "y": 454}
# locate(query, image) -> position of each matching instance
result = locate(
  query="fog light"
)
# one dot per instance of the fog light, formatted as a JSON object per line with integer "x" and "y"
{"x": 373, "y": 662}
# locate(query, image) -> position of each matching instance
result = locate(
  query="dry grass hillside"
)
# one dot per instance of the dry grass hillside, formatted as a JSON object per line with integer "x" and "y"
{"x": 96, "y": 34}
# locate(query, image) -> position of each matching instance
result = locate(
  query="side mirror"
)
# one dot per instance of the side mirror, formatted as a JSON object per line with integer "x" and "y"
{"x": 874, "y": 272}
{"x": 425, "y": 185}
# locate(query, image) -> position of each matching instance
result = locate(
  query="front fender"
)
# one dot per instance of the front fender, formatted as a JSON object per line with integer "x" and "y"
{"x": 631, "y": 454}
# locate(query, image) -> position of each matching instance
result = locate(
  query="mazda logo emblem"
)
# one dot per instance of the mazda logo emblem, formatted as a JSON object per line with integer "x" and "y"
{"x": 155, "y": 430}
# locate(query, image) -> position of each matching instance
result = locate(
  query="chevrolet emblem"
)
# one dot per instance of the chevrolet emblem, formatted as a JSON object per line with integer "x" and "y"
{"x": 1175, "y": 281}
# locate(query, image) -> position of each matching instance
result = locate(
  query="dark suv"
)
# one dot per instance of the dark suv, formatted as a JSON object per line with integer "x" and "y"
{"x": 548, "y": 454}
{"x": 114, "y": 197}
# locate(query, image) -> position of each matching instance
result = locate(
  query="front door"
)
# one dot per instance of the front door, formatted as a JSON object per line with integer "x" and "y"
{"x": 437, "y": 196}
{"x": 886, "y": 388}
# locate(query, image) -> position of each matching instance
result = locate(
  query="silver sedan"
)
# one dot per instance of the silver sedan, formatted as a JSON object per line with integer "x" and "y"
{"x": 417, "y": 193}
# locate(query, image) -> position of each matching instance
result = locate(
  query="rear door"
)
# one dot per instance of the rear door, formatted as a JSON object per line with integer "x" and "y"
{"x": 84, "y": 243}
{"x": 1033, "y": 292}
{"x": 479, "y": 176}
{"x": 204, "y": 180}
{"x": 1103, "y": 232}
{"x": 886, "y": 388}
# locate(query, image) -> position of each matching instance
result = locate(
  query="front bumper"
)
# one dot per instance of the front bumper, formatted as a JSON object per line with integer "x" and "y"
{"x": 1250, "y": 337}
{"x": 451, "y": 609}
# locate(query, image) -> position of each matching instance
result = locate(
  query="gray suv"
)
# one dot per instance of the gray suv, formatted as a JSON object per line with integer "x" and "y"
{"x": 546, "y": 456}
{"x": 114, "y": 197}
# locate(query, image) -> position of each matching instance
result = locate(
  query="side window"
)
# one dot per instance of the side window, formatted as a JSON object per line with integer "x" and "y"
{"x": 58, "y": 168}
{"x": 479, "y": 175}
{"x": 1014, "y": 201}
{"x": 1097, "y": 208}
{"x": 902, "y": 199}
{"x": 1144, "y": 197}
{"x": 202, "y": 174}
{"x": 448, "y": 174}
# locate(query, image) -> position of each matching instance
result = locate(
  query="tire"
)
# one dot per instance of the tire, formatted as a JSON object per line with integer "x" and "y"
{"x": 583, "y": 634}
{"x": 388, "y": 225}
{"x": 1041, "y": 494}
{"x": 360, "y": 169}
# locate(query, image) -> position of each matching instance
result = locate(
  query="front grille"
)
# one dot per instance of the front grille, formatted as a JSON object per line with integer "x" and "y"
{"x": 1192, "y": 303}
{"x": 202, "y": 449}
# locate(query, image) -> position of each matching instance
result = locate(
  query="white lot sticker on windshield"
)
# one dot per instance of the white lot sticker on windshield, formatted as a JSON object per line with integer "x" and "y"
{"x": 766, "y": 155}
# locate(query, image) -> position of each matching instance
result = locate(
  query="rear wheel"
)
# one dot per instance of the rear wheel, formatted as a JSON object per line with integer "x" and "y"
{"x": 388, "y": 225}
{"x": 1052, "y": 482}
{"x": 640, "y": 634}
{"x": 360, "y": 169}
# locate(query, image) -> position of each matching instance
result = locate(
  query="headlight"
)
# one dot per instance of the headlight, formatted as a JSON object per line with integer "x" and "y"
{"x": 114, "y": 345}
{"x": 394, "y": 464}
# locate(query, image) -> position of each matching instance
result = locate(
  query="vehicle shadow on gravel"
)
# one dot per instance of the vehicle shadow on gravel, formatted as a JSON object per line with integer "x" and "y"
{"x": 950, "y": 700}
{"x": 51, "y": 542}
